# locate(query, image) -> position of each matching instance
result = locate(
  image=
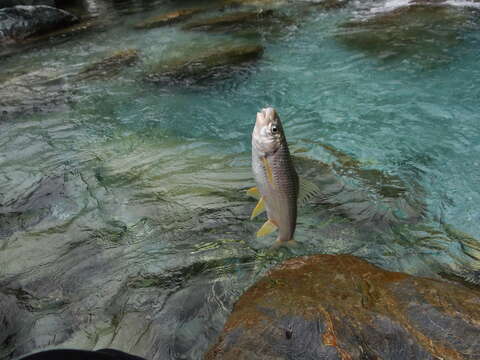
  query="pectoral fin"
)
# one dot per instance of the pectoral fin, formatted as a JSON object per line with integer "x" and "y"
{"x": 253, "y": 192}
{"x": 307, "y": 190}
{"x": 268, "y": 170}
{"x": 259, "y": 208}
{"x": 267, "y": 228}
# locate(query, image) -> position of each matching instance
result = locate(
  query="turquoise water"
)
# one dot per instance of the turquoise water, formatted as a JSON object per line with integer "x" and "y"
{"x": 154, "y": 174}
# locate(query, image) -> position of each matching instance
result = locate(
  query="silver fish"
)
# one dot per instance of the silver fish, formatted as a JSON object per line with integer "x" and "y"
{"x": 275, "y": 176}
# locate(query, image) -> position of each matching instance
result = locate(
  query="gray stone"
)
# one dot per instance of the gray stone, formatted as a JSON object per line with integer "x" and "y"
{"x": 20, "y": 22}
{"x": 11, "y": 3}
{"x": 35, "y": 91}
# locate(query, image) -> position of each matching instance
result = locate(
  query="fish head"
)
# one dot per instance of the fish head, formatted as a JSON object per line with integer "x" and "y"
{"x": 267, "y": 135}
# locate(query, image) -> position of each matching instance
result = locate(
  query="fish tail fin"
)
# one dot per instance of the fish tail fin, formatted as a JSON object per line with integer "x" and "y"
{"x": 289, "y": 244}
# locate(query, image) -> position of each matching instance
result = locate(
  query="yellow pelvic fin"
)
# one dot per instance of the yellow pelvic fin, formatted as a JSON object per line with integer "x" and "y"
{"x": 268, "y": 169}
{"x": 259, "y": 208}
{"x": 253, "y": 192}
{"x": 267, "y": 228}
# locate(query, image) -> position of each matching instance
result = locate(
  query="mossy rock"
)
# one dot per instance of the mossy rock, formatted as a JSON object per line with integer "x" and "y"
{"x": 236, "y": 19}
{"x": 341, "y": 307}
{"x": 419, "y": 31}
{"x": 109, "y": 66}
{"x": 168, "y": 18}
{"x": 216, "y": 61}
{"x": 258, "y": 3}
{"x": 66, "y": 32}
{"x": 328, "y": 4}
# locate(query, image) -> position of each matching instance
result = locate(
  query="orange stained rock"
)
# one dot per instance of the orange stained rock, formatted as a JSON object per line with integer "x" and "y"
{"x": 343, "y": 289}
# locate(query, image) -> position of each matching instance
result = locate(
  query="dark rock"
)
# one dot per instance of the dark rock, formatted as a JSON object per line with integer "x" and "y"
{"x": 109, "y": 66}
{"x": 341, "y": 307}
{"x": 237, "y": 19}
{"x": 329, "y": 4}
{"x": 258, "y": 3}
{"x": 213, "y": 62}
{"x": 168, "y": 19}
{"x": 418, "y": 31}
{"x": 11, "y": 3}
{"x": 20, "y": 22}
{"x": 8, "y": 320}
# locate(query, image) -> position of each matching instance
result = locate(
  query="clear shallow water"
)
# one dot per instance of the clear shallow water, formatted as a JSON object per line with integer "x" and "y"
{"x": 128, "y": 204}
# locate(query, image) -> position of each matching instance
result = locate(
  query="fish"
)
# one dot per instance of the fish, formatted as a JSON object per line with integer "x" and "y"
{"x": 277, "y": 183}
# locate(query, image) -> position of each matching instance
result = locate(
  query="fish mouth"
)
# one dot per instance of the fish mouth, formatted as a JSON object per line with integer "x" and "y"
{"x": 265, "y": 116}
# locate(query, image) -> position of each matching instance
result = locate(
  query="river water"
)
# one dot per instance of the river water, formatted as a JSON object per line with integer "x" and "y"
{"x": 124, "y": 220}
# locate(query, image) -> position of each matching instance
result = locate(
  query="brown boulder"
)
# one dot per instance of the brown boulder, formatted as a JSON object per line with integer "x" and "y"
{"x": 341, "y": 307}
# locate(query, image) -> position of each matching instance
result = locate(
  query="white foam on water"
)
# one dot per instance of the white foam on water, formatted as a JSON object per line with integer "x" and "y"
{"x": 390, "y": 5}
{"x": 366, "y": 10}
{"x": 463, "y": 3}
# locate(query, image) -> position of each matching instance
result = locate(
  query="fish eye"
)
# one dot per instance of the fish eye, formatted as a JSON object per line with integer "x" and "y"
{"x": 274, "y": 129}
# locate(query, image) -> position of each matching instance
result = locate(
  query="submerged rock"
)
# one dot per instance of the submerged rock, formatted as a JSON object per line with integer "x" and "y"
{"x": 341, "y": 307}
{"x": 36, "y": 91}
{"x": 212, "y": 62}
{"x": 34, "y": 204}
{"x": 50, "y": 38}
{"x": 421, "y": 31}
{"x": 20, "y": 22}
{"x": 331, "y": 4}
{"x": 168, "y": 18}
{"x": 65, "y": 32}
{"x": 230, "y": 20}
{"x": 383, "y": 201}
{"x": 109, "y": 66}
{"x": 259, "y": 3}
